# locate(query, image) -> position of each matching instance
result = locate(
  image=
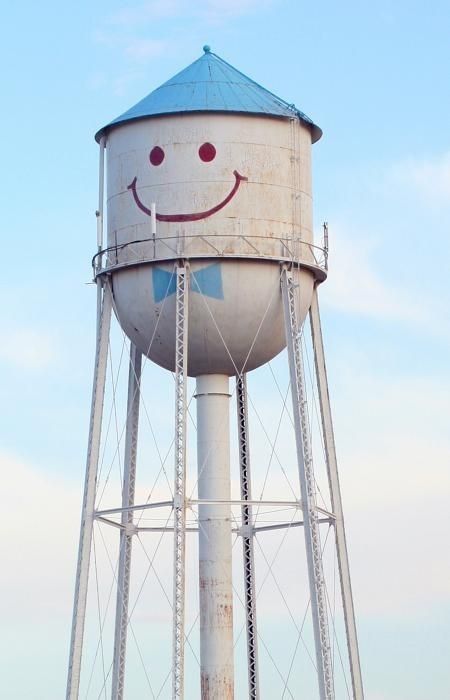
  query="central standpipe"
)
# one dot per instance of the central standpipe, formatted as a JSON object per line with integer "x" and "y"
{"x": 216, "y": 594}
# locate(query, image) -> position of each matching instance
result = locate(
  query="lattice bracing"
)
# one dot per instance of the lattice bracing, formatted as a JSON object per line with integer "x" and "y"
{"x": 247, "y": 538}
{"x": 181, "y": 336}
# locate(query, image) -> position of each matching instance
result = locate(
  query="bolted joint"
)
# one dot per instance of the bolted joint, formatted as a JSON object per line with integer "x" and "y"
{"x": 178, "y": 501}
{"x": 130, "y": 529}
{"x": 246, "y": 531}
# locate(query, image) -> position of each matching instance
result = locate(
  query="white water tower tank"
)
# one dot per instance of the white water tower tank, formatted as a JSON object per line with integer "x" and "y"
{"x": 226, "y": 167}
{"x": 209, "y": 184}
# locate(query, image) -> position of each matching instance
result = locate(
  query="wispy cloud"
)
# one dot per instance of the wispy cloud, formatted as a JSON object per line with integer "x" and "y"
{"x": 355, "y": 286}
{"x": 143, "y": 49}
{"x": 387, "y": 240}
{"x": 395, "y": 484}
{"x": 396, "y": 489}
{"x": 134, "y": 52}
{"x": 146, "y": 30}
{"x": 209, "y": 11}
{"x": 429, "y": 178}
{"x": 43, "y": 504}
{"x": 145, "y": 12}
{"x": 28, "y": 348}
{"x": 133, "y": 47}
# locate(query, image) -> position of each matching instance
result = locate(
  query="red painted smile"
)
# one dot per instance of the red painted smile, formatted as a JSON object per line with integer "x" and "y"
{"x": 188, "y": 217}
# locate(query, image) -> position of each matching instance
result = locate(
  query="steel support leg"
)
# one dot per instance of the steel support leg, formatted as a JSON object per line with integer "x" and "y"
{"x": 126, "y": 534}
{"x": 181, "y": 342}
{"x": 247, "y": 539}
{"x": 104, "y": 305}
{"x": 307, "y": 488}
{"x": 214, "y": 537}
{"x": 336, "y": 502}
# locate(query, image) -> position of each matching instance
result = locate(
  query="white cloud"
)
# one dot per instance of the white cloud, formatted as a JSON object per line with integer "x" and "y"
{"x": 142, "y": 49}
{"x": 145, "y": 12}
{"x": 145, "y": 31}
{"x": 393, "y": 452}
{"x": 395, "y": 476}
{"x": 215, "y": 11}
{"x": 429, "y": 178}
{"x": 27, "y": 348}
{"x": 386, "y": 250}
{"x": 220, "y": 10}
{"x": 396, "y": 487}
{"x": 40, "y": 518}
{"x": 354, "y": 286}
{"x": 96, "y": 80}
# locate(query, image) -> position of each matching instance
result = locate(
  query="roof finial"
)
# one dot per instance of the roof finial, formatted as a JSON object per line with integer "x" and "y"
{"x": 206, "y": 48}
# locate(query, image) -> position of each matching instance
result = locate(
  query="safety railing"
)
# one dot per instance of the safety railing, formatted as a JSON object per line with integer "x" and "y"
{"x": 159, "y": 249}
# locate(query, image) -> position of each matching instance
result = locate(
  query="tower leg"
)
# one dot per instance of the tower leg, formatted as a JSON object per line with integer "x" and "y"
{"x": 336, "y": 502}
{"x": 307, "y": 488}
{"x": 104, "y": 305}
{"x": 216, "y": 595}
{"x": 179, "y": 505}
{"x": 126, "y": 534}
{"x": 247, "y": 539}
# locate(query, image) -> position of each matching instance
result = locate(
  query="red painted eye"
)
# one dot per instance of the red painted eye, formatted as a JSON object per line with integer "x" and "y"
{"x": 207, "y": 152}
{"x": 156, "y": 155}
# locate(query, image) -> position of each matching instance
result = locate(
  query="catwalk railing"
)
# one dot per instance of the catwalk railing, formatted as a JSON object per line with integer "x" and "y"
{"x": 292, "y": 249}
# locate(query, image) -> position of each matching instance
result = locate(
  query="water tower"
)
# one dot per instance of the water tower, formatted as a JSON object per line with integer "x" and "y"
{"x": 211, "y": 268}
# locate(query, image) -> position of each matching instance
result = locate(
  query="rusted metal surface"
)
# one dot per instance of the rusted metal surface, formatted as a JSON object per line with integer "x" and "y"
{"x": 158, "y": 250}
{"x": 215, "y": 688}
{"x": 214, "y": 520}
{"x": 273, "y": 155}
{"x": 228, "y": 335}
{"x": 249, "y": 201}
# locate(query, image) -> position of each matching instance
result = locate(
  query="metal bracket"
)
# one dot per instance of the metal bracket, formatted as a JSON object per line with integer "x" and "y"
{"x": 246, "y": 531}
{"x": 178, "y": 500}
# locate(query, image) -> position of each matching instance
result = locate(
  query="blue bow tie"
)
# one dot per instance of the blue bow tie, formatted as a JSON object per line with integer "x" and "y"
{"x": 207, "y": 281}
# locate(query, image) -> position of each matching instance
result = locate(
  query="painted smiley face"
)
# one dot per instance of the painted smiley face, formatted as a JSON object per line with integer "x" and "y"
{"x": 206, "y": 152}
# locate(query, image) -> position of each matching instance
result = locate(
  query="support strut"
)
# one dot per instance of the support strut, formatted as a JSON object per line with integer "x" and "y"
{"x": 247, "y": 538}
{"x": 214, "y": 537}
{"x": 126, "y": 533}
{"x": 104, "y": 306}
{"x": 179, "y": 510}
{"x": 336, "y": 501}
{"x": 307, "y": 488}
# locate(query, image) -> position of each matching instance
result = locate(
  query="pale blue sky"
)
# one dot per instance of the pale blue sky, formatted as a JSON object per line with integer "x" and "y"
{"x": 374, "y": 76}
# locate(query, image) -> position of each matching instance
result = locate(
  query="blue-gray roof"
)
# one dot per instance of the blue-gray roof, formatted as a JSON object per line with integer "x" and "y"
{"x": 210, "y": 84}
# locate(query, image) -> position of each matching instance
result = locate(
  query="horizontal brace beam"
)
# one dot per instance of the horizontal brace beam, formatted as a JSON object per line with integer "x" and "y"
{"x": 164, "y": 529}
{"x": 325, "y": 512}
{"x": 290, "y": 504}
{"x": 283, "y": 526}
{"x": 194, "y": 502}
{"x": 145, "y": 506}
{"x": 237, "y": 530}
{"x": 107, "y": 521}
{"x": 207, "y": 501}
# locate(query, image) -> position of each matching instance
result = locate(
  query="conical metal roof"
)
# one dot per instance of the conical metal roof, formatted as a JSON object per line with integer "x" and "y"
{"x": 210, "y": 84}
